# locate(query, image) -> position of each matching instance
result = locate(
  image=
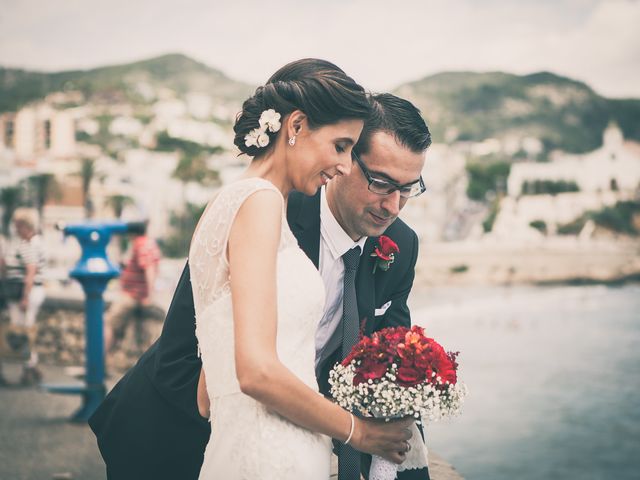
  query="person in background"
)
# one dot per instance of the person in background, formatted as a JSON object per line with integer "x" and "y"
{"x": 137, "y": 282}
{"x": 22, "y": 270}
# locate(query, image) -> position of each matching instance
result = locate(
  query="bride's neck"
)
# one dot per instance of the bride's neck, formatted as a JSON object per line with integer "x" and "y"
{"x": 270, "y": 168}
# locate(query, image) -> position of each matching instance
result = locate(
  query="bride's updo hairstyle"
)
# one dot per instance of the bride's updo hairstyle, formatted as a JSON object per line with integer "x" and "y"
{"x": 320, "y": 89}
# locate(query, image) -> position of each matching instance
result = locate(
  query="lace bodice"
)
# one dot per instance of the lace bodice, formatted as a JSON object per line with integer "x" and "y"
{"x": 300, "y": 294}
{"x": 207, "y": 255}
{"x": 247, "y": 440}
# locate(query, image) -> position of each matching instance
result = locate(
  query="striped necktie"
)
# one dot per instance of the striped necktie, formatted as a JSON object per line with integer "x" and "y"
{"x": 349, "y": 458}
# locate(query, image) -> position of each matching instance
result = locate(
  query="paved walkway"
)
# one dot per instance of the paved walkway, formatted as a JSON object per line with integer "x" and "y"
{"x": 37, "y": 442}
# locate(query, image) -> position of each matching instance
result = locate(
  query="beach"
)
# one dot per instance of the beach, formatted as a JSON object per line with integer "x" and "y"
{"x": 548, "y": 261}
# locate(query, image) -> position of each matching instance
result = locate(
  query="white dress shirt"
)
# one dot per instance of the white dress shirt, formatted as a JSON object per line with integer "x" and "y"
{"x": 334, "y": 242}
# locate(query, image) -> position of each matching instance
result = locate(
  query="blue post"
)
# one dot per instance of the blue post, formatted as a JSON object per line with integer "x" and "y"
{"x": 93, "y": 271}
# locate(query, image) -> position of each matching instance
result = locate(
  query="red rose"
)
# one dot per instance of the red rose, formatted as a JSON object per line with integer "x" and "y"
{"x": 441, "y": 364}
{"x": 384, "y": 252}
{"x": 403, "y": 351}
{"x": 373, "y": 371}
{"x": 394, "y": 336}
{"x": 445, "y": 370}
{"x": 417, "y": 357}
{"x": 386, "y": 248}
{"x": 358, "y": 379}
{"x": 410, "y": 377}
{"x": 422, "y": 361}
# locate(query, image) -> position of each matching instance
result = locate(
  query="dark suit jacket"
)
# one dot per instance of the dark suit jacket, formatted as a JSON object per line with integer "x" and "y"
{"x": 149, "y": 427}
{"x": 373, "y": 290}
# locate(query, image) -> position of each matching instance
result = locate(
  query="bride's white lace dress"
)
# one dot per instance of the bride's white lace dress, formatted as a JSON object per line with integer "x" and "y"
{"x": 247, "y": 440}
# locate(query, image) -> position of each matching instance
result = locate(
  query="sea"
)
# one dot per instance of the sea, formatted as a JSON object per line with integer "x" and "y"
{"x": 553, "y": 376}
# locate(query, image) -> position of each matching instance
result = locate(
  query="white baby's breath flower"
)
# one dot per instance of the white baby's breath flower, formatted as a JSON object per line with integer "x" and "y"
{"x": 386, "y": 398}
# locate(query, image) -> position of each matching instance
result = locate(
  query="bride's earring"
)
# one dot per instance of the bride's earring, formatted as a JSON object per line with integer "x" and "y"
{"x": 292, "y": 141}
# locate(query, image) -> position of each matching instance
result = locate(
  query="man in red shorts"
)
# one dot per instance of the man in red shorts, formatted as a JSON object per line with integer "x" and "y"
{"x": 137, "y": 282}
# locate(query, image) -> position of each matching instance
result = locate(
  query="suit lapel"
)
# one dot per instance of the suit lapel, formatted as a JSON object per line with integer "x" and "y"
{"x": 306, "y": 227}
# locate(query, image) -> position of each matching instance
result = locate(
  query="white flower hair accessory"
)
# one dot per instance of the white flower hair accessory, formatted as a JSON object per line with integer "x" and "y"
{"x": 269, "y": 121}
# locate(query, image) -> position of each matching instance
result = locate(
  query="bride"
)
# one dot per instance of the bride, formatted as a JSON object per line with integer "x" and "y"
{"x": 258, "y": 297}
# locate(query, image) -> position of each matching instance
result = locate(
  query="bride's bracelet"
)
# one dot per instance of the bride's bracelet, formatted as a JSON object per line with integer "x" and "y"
{"x": 353, "y": 427}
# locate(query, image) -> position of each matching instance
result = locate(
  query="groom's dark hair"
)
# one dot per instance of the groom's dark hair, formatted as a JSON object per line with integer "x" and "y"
{"x": 397, "y": 117}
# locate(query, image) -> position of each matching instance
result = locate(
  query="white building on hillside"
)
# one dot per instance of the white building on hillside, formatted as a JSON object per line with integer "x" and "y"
{"x": 164, "y": 111}
{"x": 205, "y": 133}
{"x": 614, "y": 166}
{"x": 126, "y": 126}
{"x": 38, "y": 130}
{"x": 516, "y": 214}
{"x": 605, "y": 176}
{"x": 147, "y": 178}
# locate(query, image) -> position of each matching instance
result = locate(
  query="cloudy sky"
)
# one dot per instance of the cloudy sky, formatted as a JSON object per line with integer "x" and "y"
{"x": 381, "y": 43}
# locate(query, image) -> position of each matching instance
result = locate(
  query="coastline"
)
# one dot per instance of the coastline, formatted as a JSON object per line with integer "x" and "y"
{"x": 555, "y": 261}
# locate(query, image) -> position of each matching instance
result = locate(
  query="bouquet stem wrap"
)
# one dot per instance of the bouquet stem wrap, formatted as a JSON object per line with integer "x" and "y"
{"x": 382, "y": 469}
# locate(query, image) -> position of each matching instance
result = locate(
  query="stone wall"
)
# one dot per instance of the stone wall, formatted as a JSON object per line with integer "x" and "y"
{"x": 61, "y": 334}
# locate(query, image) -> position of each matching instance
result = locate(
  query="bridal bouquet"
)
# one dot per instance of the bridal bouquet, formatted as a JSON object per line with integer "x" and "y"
{"x": 398, "y": 372}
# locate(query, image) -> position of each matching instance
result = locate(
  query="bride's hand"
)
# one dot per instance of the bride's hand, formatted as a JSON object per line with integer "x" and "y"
{"x": 386, "y": 439}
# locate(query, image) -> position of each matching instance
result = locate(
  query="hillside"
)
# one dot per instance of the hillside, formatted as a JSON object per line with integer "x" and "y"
{"x": 562, "y": 112}
{"x": 121, "y": 82}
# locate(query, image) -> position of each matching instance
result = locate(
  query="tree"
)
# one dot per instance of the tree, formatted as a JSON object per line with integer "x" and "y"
{"x": 167, "y": 143}
{"x": 10, "y": 199}
{"x": 176, "y": 245}
{"x": 486, "y": 179}
{"x": 86, "y": 173}
{"x": 189, "y": 169}
{"x": 118, "y": 202}
{"x": 539, "y": 225}
{"x": 193, "y": 168}
{"x": 42, "y": 187}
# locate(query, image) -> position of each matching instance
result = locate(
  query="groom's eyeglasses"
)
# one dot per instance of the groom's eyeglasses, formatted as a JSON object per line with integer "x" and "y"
{"x": 387, "y": 187}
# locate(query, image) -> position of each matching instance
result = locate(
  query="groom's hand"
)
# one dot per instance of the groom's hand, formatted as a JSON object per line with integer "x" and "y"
{"x": 388, "y": 440}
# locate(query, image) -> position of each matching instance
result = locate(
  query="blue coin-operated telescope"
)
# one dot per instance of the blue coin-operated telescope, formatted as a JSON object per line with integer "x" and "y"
{"x": 93, "y": 271}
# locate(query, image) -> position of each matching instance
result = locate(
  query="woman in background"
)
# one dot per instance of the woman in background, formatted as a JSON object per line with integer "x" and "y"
{"x": 22, "y": 268}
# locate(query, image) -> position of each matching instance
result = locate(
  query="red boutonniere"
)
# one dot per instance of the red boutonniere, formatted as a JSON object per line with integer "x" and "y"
{"x": 385, "y": 252}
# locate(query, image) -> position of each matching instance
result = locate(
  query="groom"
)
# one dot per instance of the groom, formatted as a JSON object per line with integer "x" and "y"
{"x": 149, "y": 425}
